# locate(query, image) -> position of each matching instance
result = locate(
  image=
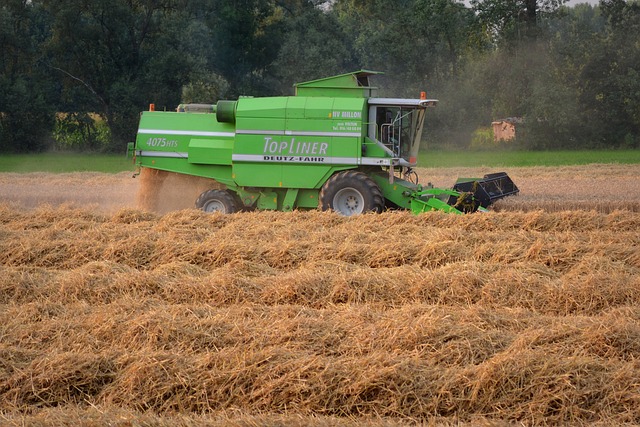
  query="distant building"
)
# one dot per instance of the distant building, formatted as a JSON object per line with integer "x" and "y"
{"x": 505, "y": 129}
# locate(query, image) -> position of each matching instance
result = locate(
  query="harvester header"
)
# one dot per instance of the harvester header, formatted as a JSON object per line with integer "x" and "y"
{"x": 334, "y": 145}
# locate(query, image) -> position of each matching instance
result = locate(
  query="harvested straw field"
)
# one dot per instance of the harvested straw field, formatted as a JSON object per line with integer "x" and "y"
{"x": 111, "y": 314}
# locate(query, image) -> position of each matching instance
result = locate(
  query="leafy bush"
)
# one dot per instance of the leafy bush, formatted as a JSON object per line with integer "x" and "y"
{"x": 80, "y": 132}
{"x": 483, "y": 139}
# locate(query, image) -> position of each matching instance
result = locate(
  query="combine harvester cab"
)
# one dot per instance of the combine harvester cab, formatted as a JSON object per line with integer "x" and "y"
{"x": 333, "y": 145}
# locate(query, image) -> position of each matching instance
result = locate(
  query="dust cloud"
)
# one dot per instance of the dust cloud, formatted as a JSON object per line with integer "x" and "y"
{"x": 162, "y": 192}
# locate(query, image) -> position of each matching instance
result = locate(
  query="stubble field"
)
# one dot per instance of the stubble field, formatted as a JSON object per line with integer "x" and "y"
{"x": 115, "y": 315}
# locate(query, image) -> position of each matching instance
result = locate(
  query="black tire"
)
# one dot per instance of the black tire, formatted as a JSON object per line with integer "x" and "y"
{"x": 217, "y": 201}
{"x": 351, "y": 193}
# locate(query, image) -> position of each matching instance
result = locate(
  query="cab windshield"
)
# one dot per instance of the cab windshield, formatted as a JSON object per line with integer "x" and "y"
{"x": 399, "y": 129}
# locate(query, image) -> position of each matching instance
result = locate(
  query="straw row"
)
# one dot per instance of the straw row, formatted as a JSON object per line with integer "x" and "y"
{"x": 309, "y": 318}
{"x": 412, "y": 362}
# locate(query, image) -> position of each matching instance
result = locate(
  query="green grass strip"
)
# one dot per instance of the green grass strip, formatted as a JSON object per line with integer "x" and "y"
{"x": 65, "y": 162}
{"x": 525, "y": 158}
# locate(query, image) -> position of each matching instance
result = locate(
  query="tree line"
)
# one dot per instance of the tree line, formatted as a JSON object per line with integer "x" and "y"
{"x": 75, "y": 74}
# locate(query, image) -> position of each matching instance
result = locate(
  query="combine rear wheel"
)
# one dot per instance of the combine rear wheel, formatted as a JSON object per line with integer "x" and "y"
{"x": 351, "y": 193}
{"x": 217, "y": 201}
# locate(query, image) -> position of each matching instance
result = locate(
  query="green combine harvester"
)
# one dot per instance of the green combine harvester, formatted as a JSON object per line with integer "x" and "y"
{"x": 333, "y": 145}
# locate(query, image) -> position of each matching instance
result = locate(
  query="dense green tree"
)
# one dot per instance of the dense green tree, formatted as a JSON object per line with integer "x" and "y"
{"x": 570, "y": 37}
{"x": 259, "y": 48}
{"x": 610, "y": 77}
{"x": 243, "y": 41}
{"x": 26, "y": 111}
{"x": 314, "y": 46}
{"x": 509, "y": 21}
{"x": 447, "y": 32}
{"x": 115, "y": 56}
{"x": 575, "y": 85}
{"x": 203, "y": 85}
{"x": 570, "y": 73}
{"x": 417, "y": 43}
{"x": 595, "y": 64}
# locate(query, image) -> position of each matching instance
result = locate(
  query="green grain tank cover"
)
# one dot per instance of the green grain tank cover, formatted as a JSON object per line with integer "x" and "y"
{"x": 350, "y": 85}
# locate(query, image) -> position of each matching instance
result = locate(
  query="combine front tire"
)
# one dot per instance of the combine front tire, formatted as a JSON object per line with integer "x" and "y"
{"x": 351, "y": 193}
{"x": 217, "y": 201}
